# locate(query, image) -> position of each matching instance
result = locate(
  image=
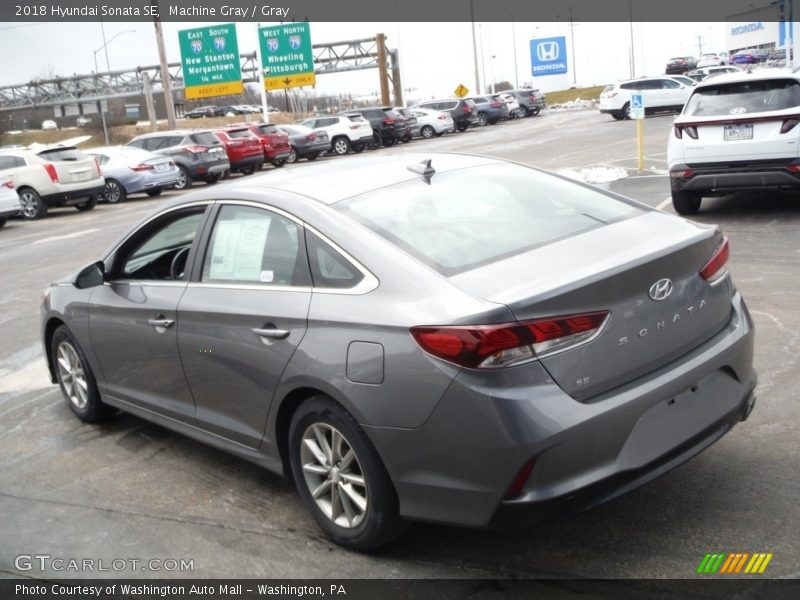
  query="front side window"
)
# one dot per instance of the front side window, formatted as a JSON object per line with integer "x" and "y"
{"x": 255, "y": 246}
{"x": 159, "y": 252}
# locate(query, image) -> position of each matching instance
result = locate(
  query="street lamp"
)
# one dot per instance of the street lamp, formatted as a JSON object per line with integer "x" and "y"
{"x": 108, "y": 65}
{"x": 513, "y": 45}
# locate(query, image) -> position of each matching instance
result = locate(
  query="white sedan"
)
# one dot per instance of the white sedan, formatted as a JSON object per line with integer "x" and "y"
{"x": 9, "y": 200}
{"x": 433, "y": 122}
{"x": 514, "y": 109}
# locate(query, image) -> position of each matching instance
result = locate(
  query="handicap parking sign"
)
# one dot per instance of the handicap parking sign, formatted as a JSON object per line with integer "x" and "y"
{"x": 637, "y": 106}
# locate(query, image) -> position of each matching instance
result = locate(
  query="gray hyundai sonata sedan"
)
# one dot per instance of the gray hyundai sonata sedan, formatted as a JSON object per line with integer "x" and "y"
{"x": 443, "y": 338}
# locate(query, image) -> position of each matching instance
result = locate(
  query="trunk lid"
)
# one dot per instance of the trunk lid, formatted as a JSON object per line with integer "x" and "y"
{"x": 612, "y": 269}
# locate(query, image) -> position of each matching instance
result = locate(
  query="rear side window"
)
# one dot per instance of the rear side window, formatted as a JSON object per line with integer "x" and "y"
{"x": 329, "y": 269}
{"x": 471, "y": 217}
{"x": 206, "y": 138}
{"x": 11, "y": 162}
{"x": 62, "y": 154}
{"x": 744, "y": 97}
{"x": 138, "y": 143}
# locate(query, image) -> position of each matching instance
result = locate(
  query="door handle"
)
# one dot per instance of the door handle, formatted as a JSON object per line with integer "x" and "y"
{"x": 271, "y": 333}
{"x": 161, "y": 322}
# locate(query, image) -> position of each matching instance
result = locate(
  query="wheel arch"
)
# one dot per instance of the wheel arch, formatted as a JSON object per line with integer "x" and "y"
{"x": 50, "y": 327}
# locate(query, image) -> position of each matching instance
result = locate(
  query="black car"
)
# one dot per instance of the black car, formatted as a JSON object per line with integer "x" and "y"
{"x": 680, "y": 64}
{"x": 464, "y": 112}
{"x": 198, "y": 153}
{"x": 532, "y": 101}
{"x": 201, "y": 112}
{"x": 306, "y": 142}
{"x": 388, "y": 126}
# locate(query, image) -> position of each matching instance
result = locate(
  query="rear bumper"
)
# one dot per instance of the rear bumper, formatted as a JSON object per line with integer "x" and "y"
{"x": 247, "y": 162}
{"x": 585, "y": 453}
{"x": 69, "y": 198}
{"x": 736, "y": 176}
{"x": 204, "y": 169}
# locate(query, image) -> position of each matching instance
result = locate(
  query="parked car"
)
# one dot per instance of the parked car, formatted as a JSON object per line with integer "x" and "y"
{"x": 305, "y": 142}
{"x": 681, "y": 64}
{"x": 388, "y": 126}
{"x": 411, "y": 122}
{"x": 737, "y": 132}
{"x": 462, "y": 111}
{"x": 51, "y": 177}
{"x": 49, "y": 125}
{"x": 201, "y": 112}
{"x": 433, "y": 122}
{"x": 778, "y": 56}
{"x": 346, "y": 133}
{"x": 748, "y": 57}
{"x": 448, "y": 347}
{"x": 711, "y": 59}
{"x": 198, "y": 153}
{"x": 9, "y": 200}
{"x": 532, "y": 101}
{"x": 660, "y": 94}
{"x": 687, "y": 80}
{"x": 243, "y": 149}
{"x": 130, "y": 170}
{"x": 229, "y": 110}
{"x": 514, "y": 108}
{"x": 274, "y": 142}
{"x": 702, "y": 73}
{"x": 490, "y": 109}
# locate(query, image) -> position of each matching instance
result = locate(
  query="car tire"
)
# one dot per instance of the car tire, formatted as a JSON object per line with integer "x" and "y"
{"x": 292, "y": 158}
{"x": 461, "y": 127}
{"x": 626, "y": 111}
{"x": 341, "y": 145}
{"x": 184, "y": 179}
{"x": 686, "y": 203}
{"x": 483, "y": 120}
{"x": 312, "y": 156}
{"x": 376, "y": 142}
{"x": 278, "y": 163}
{"x": 535, "y": 112}
{"x": 3, "y": 221}
{"x": 427, "y": 132}
{"x": 389, "y": 141}
{"x": 31, "y": 204}
{"x": 358, "y": 148}
{"x": 248, "y": 171}
{"x": 114, "y": 192}
{"x": 87, "y": 205}
{"x": 75, "y": 378}
{"x": 356, "y": 519}
{"x": 154, "y": 192}
{"x": 617, "y": 116}
{"x": 212, "y": 179}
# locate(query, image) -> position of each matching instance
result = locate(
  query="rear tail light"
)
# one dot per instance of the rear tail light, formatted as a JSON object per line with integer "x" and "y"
{"x": 142, "y": 167}
{"x": 788, "y": 125}
{"x": 311, "y": 137}
{"x": 96, "y": 167}
{"x": 520, "y": 479}
{"x": 681, "y": 173}
{"x": 9, "y": 184}
{"x": 717, "y": 266}
{"x": 388, "y": 121}
{"x": 442, "y": 117}
{"x": 51, "y": 171}
{"x": 690, "y": 130}
{"x": 466, "y": 108}
{"x": 501, "y": 345}
{"x": 196, "y": 149}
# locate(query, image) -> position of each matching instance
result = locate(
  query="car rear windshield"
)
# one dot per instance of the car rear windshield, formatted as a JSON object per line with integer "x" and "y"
{"x": 62, "y": 154}
{"x": 744, "y": 97}
{"x": 467, "y": 218}
{"x": 239, "y": 133}
{"x": 269, "y": 129}
{"x": 206, "y": 138}
{"x": 469, "y": 103}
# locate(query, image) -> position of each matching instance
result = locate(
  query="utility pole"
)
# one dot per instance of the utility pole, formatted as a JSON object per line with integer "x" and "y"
{"x": 700, "y": 45}
{"x": 514, "y": 43}
{"x": 382, "y": 69}
{"x": 474, "y": 48}
{"x": 632, "y": 55}
{"x": 572, "y": 43}
{"x": 165, "y": 81}
{"x": 148, "y": 100}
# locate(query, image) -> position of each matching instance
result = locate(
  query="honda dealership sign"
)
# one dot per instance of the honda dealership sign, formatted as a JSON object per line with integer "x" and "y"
{"x": 548, "y": 56}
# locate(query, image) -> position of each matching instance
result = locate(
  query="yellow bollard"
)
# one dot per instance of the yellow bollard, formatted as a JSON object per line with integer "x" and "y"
{"x": 640, "y": 143}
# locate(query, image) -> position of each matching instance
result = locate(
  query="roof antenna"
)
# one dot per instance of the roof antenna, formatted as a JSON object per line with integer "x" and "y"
{"x": 423, "y": 168}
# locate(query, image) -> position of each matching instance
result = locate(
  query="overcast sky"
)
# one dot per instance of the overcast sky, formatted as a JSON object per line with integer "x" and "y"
{"x": 434, "y": 57}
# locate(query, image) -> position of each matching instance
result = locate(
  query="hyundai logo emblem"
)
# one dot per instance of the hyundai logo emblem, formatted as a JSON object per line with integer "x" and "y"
{"x": 660, "y": 290}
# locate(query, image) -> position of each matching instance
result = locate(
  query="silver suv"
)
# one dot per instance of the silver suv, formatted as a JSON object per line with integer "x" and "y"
{"x": 51, "y": 177}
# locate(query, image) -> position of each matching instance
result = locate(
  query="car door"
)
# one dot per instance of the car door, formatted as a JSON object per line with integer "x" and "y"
{"x": 242, "y": 317}
{"x": 133, "y": 317}
{"x": 674, "y": 93}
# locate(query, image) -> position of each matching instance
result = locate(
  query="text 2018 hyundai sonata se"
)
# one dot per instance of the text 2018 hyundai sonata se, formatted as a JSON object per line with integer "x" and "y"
{"x": 464, "y": 341}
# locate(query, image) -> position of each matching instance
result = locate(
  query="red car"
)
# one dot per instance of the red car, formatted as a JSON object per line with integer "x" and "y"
{"x": 243, "y": 149}
{"x": 274, "y": 142}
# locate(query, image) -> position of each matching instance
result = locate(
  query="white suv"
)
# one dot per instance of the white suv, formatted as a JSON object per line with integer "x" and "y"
{"x": 9, "y": 201}
{"x": 53, "y": 176}
{"x": 737, "y": 132}
{"x": 660, "y": 94}
{"x": 345, "y": 132}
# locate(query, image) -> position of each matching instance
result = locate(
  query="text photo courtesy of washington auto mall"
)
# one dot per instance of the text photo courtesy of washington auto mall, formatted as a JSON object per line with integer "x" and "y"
{"x": 399, "y": 299}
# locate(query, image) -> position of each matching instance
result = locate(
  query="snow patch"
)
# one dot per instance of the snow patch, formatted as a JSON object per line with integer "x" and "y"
{"x": 576, "y": 104}
{"x": 595, "y": 174}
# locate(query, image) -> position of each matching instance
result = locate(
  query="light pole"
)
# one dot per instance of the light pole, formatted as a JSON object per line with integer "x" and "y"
{"x": 108, "y": 65}
{"x": 513, "y": 45}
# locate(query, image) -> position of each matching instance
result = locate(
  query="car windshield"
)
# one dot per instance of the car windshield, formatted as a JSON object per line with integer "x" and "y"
{"x": 744, "y": 97}
{"x": 467, "y": 218}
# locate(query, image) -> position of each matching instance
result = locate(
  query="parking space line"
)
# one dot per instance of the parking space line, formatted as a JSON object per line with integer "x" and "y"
{"x": 664, "y": 204}
{"x": 66, "y": 236}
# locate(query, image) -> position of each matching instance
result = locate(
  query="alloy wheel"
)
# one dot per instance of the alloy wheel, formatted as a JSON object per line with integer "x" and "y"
{"x": 30, "y": 204}
{"x": 112, "y": 191}
{"x": 333, "y": 475}
{"x": 72, "y": 375}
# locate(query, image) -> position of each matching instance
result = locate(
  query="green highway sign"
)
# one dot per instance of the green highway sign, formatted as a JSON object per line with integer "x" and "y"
{"x": 286, "y": 57}
{"x": 210, "y": 61}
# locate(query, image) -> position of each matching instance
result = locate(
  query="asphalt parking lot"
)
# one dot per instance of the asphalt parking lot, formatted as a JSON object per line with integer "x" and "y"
{"x": 129, "y": 489}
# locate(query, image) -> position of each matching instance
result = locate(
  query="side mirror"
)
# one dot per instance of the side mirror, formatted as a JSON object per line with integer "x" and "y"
{"x": 91, "y": 276}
